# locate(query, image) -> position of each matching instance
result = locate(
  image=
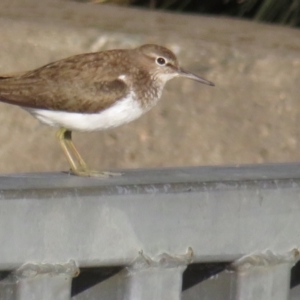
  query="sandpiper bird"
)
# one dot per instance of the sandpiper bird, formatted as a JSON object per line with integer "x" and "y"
{"x": 93, "y": 91}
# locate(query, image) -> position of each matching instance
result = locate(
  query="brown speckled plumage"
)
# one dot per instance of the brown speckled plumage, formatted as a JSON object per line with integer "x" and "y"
{"x": 89, "y": 82}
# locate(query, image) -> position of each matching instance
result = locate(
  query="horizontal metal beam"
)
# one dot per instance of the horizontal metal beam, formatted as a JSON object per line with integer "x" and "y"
{"x": 221, "y": 213}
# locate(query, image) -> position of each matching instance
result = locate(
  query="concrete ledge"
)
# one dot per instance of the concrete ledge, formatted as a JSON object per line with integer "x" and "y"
{"x": 251, "y": 116}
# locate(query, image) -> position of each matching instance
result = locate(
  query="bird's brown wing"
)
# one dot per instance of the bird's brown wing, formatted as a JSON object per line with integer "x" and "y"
{"x": 5, "y": 76}
{"x": 78, "y": 84}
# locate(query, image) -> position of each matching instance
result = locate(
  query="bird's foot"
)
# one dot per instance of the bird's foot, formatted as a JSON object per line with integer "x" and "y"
{"x": 93, "y": 173}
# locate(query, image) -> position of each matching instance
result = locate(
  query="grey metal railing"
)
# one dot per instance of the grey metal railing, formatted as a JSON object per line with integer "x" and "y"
{"x": 149, "y": 226}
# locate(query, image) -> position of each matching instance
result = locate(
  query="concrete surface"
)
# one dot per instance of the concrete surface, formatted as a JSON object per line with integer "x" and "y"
{"x": 251, "y": 116}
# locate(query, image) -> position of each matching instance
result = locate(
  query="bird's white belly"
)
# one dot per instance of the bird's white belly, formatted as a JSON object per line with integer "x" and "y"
{"x": 121, "y": 112}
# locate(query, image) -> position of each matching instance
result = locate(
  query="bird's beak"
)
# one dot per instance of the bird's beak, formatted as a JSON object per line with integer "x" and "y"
{"x": 192, "y": 76}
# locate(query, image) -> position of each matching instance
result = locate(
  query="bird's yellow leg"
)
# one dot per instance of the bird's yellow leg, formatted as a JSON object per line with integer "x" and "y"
{"x": 72, "y": 148}
{"x": 65, "y": 138}
{"x": 60, "y": 134}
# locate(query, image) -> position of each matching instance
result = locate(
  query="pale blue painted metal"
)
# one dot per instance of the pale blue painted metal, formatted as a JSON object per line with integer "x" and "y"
{"x": 209, "y": 214}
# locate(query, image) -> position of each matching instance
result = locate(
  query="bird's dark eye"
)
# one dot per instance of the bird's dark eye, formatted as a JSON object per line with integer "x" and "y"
{"x": 161, "y": 61}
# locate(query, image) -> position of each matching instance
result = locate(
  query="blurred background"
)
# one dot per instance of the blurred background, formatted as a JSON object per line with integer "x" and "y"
{"x": 285, "y": 12}
{"x": 249, "y": 49}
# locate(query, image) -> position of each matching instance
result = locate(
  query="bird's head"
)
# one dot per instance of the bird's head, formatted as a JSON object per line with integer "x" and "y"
{"x": 163, "y": 64}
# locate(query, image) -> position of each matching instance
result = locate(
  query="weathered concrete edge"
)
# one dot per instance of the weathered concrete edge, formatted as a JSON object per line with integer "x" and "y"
{"x": 154, "y": 26}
